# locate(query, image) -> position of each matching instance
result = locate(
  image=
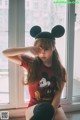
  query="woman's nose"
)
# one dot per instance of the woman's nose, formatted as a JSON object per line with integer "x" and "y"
{"x": 42, "y": 51}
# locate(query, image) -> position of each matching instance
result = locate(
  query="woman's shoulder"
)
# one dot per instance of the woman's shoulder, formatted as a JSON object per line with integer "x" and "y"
{"x": 26, "y": 60}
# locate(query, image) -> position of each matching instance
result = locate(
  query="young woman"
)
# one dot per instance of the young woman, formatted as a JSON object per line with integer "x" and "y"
{"x": 46, "y": 75}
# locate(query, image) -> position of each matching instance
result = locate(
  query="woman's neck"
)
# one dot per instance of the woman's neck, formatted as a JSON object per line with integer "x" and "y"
{"x": 48, "y": 63}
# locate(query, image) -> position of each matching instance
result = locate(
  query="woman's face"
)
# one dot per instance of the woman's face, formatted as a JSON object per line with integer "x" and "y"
{"x": 45, "y": 53}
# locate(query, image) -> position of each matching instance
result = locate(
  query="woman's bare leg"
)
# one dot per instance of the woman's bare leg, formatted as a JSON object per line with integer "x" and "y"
{"x": 29, "y": 112}
{"x": 60, "y": 115}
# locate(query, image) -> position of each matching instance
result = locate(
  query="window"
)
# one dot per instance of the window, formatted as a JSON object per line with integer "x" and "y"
{"x": 4, "y": 78}
{"x": 54, "y": 14}
{"x": 0, "y": 2}
{"x": 76, "y": 76}
{"x": 27, "y": 4}
{"x": 6, "y": 2}
{"x": 11, "y": 35}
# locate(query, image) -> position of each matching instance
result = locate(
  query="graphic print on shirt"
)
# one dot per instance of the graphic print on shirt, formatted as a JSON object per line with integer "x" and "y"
{"x": 47, "y": 87}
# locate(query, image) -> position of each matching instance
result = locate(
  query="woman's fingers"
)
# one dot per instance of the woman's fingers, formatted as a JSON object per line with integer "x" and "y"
{"x": 35, "y": 50}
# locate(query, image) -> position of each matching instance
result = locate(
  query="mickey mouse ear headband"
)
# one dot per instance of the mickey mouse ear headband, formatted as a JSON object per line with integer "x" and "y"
{"x": 56, "y": 32}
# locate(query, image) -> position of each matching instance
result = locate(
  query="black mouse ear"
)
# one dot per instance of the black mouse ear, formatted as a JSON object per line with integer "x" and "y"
{"x": 57, "y": 31}
{"x": 35, "y": 30}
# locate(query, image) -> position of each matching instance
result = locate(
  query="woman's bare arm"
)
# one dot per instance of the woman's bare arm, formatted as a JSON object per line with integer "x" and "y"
{"x": 57, "y": 97}
{"x": 14, "y": 54}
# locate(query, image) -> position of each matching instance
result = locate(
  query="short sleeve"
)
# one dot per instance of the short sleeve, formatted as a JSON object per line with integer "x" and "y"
{"x": 26, "y": 61}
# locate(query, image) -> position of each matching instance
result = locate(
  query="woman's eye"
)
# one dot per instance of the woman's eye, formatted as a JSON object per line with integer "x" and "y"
{"x": 46, "y": 49}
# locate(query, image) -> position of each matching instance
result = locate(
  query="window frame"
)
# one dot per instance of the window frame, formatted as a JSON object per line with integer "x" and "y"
{"x": 15, "y": 35}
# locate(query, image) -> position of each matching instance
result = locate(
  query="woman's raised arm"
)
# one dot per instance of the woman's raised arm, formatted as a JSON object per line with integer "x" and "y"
{"x": 14, "y": 54}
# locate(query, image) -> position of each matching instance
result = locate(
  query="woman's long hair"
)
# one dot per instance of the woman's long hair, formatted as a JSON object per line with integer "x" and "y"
{"x": 58, "y": 69}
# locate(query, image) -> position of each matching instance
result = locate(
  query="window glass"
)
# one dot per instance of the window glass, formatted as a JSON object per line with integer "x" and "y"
{"x": 76, "y": 80}
{"x": 46, "y": 16}
{"x": 4, "y": 80}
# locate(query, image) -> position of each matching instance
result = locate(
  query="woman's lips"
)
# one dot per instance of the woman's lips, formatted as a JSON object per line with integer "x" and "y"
{"x": 43, "y": 57}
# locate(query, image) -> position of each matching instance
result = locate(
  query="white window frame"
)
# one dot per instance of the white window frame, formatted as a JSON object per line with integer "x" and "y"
{"x": 15, "y": 39}
{"x": 70, "y": 26}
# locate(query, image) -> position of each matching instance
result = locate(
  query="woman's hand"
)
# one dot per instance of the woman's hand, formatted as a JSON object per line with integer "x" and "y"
{"x": 35, "y": 50}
